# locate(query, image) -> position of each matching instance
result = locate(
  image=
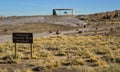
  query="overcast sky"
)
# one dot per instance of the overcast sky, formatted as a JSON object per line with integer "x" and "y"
{"x": 43, "y": 7}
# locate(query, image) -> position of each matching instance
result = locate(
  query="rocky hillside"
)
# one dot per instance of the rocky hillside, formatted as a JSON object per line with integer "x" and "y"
{"x": 113, "y": 15}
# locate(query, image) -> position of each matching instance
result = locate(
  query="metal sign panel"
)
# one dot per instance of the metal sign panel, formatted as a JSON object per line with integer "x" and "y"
{"x": 22, "y": 38}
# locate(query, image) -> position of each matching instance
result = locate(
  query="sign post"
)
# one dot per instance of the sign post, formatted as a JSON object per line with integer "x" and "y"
{"x": 31, "y": 50}
{"x": 15, "y": 50}
{"x": 23, "y": 38}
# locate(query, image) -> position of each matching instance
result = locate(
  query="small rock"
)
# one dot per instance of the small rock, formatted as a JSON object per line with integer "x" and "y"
{"x": 50, "y": 32}
{"x": 58, "y": 32}
{"x": 80, "y": 31}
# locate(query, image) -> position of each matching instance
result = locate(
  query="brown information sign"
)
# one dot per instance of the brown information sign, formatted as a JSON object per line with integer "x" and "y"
{"x": 22, "y": 38}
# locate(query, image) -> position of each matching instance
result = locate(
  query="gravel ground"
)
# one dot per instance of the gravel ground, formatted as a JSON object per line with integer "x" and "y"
{"x": 68, "y": 20}
{"x": 62, "y": 20}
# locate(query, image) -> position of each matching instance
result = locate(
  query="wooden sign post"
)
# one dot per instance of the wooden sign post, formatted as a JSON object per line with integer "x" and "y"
{"x": 31, "y": 50}
{"x": 23, "y": 38}
{"x": 15, "y": 50}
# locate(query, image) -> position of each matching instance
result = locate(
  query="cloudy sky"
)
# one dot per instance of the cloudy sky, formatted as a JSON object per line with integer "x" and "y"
{"x": 44, "y": 7}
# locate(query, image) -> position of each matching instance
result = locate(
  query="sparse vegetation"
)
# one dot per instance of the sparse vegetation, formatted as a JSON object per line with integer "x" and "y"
{"x": 54, "y": 52}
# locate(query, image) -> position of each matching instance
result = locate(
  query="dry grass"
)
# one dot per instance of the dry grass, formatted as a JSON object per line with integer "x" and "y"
{"x": 49, "y": 53}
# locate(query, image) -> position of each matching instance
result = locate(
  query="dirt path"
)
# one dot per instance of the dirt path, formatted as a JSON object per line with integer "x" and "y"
{"x": 5, "y": 38}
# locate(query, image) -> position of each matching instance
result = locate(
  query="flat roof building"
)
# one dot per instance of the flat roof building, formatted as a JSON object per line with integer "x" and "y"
{"x": 66, "y": 10}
